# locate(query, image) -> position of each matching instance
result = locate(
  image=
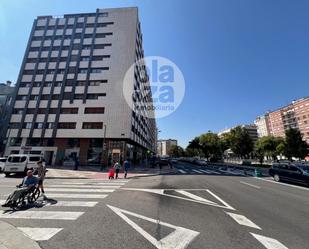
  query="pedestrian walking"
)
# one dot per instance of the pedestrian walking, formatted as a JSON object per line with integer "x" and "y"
{"x": 126, "y": 166}
{"x": 76, "y": 163}
{"x": 41, "y": 176}
{"x": 117, "y": 168}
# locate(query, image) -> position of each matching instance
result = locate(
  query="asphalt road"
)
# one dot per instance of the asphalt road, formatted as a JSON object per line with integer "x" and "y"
{"x": 194, "y": 208}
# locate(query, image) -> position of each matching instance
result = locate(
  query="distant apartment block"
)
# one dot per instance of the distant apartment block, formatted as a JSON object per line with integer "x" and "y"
{"x": 164, "y": 146}
{"x": 262, "y": 125}
{"x": 6, "y": 96}
{"x": 70, "y": 102}
{"x": 250, "y": 128}
{"x": 294, "y": 115}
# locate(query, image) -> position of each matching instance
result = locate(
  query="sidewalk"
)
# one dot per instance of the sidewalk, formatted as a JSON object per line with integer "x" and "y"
{"x": 13, "y": 238}
{"x": 85, "y": 172}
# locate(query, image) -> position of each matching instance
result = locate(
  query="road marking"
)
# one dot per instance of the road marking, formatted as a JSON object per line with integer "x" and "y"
{"x": 82, "y": 196}
{"x": 79, "y": 190}
{"x": 81, "y": 186}
{"x": 242, "y": 220}
{"x": 161, "y": 192}
{"x": 195, "y": 197}
{"x": 251, "y": 185}
{"x": 269, "y": 243}
{"x": 210, "y": 171}
{"x": 94, "y": 184}
{"x": 65, "y": 203}
{"x": 282, "y": 183}
{"x": 178, "y": 239}
{"x": 39, "y": 233}
{"x": 219, "y": 199}
{"x": 41, "y": 215}
{"x": 197, "y": 171}
{"x": 182, "y": 171}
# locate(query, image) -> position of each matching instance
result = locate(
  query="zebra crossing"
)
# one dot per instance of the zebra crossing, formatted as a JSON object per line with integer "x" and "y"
{"x": 61, "y": 196}
{"x": 210, "y": 171}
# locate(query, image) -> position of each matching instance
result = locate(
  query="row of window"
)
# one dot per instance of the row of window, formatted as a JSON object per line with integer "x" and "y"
{"x": 74, "y": 47}
{"x": 87, "y": 110}
{"x": 66, "y": 96}
{"x": 64, "y": 59}
{"x": 69, "y": 37}
{"x": 61, "y": 125}
{"x": 70, "y": 70}
{"x": 78, "y": 25}
{"x": 67, "y": 83}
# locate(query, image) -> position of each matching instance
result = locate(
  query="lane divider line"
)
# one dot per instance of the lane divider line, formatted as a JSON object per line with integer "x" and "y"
{"x": 282, "y": 183}
{"x": 251, "y": 185}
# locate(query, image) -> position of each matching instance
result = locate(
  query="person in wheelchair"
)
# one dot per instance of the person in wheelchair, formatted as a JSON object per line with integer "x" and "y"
{"x": 27, "y": 185}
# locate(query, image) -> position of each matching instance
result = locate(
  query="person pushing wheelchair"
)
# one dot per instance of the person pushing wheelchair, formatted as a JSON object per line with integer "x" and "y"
{"x": 28, "y": 183}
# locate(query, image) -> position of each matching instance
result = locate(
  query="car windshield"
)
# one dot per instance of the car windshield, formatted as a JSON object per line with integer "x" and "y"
{"x": 305, "y": 168}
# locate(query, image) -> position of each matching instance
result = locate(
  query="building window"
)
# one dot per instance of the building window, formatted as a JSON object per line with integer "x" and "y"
{"x": 55, "y": 97}
{"x": 34, "y": 97}
{"x": 18, "y": 111}
{"x": 92, "y": 125}
{"x": 69, "y": 110}
{"x": 28, "y": 72}
{"x": 104, "y": 24}
{"x": 102, "y": 35}
{"x": 102, "y": 46}
{"x": 83, "y": 71}
{"x": 85, "y": 58}
{"x": 38, "y": 125}
{"x": 50, "y": 125}
{"x": 30, "y": 111}
{"x": 95, "y": 96}
{"x": 69, "y": 125}
{"x": 80, "y": 83}
{"x": 78, "y": 96}
{"x": 27, "y": 125}
{"x": 86, "y": 47}
{"x": 14, "y": 125}
{"x": 103, "y": 14}
{"x": 98, "y": 110}
{"x": 45, "y": 97}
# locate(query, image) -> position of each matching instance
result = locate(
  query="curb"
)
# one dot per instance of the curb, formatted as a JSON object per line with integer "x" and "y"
{"x": 12, "y": 238}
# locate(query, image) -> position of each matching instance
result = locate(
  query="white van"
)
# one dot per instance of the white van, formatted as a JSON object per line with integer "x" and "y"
{"x": 2, "y": 163}
{"x": 19, "y": 163}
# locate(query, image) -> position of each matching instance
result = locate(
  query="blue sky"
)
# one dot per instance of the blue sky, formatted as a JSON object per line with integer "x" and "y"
{"x": 239, "y": 58}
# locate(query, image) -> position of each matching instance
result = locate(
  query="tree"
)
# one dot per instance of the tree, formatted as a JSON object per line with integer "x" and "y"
{"x": 194, "y": 148}
{"x": 176, "y": 151}
{"x": 240, "y": 141}
{"x": 294, "y": 144}
{"x": 268, "y": 147}
{"x": 211, "y": 146}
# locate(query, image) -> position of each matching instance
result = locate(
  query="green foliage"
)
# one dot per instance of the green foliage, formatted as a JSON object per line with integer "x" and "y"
{"x": 269, "y": 146}
{"x": 240, "y": 142}
{"x": 176, "y": 151}
{"x": 294, "y": 144}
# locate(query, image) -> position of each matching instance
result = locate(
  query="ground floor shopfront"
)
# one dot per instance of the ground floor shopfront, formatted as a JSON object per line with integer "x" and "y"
{"x": 85, "y": 151}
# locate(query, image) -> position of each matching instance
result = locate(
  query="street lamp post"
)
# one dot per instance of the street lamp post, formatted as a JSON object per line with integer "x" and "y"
{"x": 104, "y": 147}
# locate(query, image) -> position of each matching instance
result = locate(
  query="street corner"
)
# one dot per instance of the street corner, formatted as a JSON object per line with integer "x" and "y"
{"x": 13, "y": 238}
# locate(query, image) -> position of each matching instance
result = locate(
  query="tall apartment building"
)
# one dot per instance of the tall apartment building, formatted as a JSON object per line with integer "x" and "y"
{"x": 262, "y": 125}
{"x": 70, "y": 100}
{"x": 164, "y": 146}
{"x": 294, "y": 115}
{"x": 250, "y": 128}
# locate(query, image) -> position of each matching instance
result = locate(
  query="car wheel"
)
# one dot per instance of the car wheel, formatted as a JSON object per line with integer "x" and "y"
{"x": 277, "y": 178}
{"x": 7, "y": 174}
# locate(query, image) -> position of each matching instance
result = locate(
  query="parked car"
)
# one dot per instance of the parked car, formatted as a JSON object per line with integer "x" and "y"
{"x": 2, "y": 163}
{"x": 291, "y": 172}
{"x": 200, "y": 162}
{"x": 20, "y": 163}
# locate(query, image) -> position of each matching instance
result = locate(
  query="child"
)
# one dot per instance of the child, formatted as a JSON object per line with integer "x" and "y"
{"x": 111, "y": 173}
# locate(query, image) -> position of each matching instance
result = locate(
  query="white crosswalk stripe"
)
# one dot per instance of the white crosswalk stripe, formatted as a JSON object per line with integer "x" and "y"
{"x": 80, "y": 193}
{"x": 182, "y": 171}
